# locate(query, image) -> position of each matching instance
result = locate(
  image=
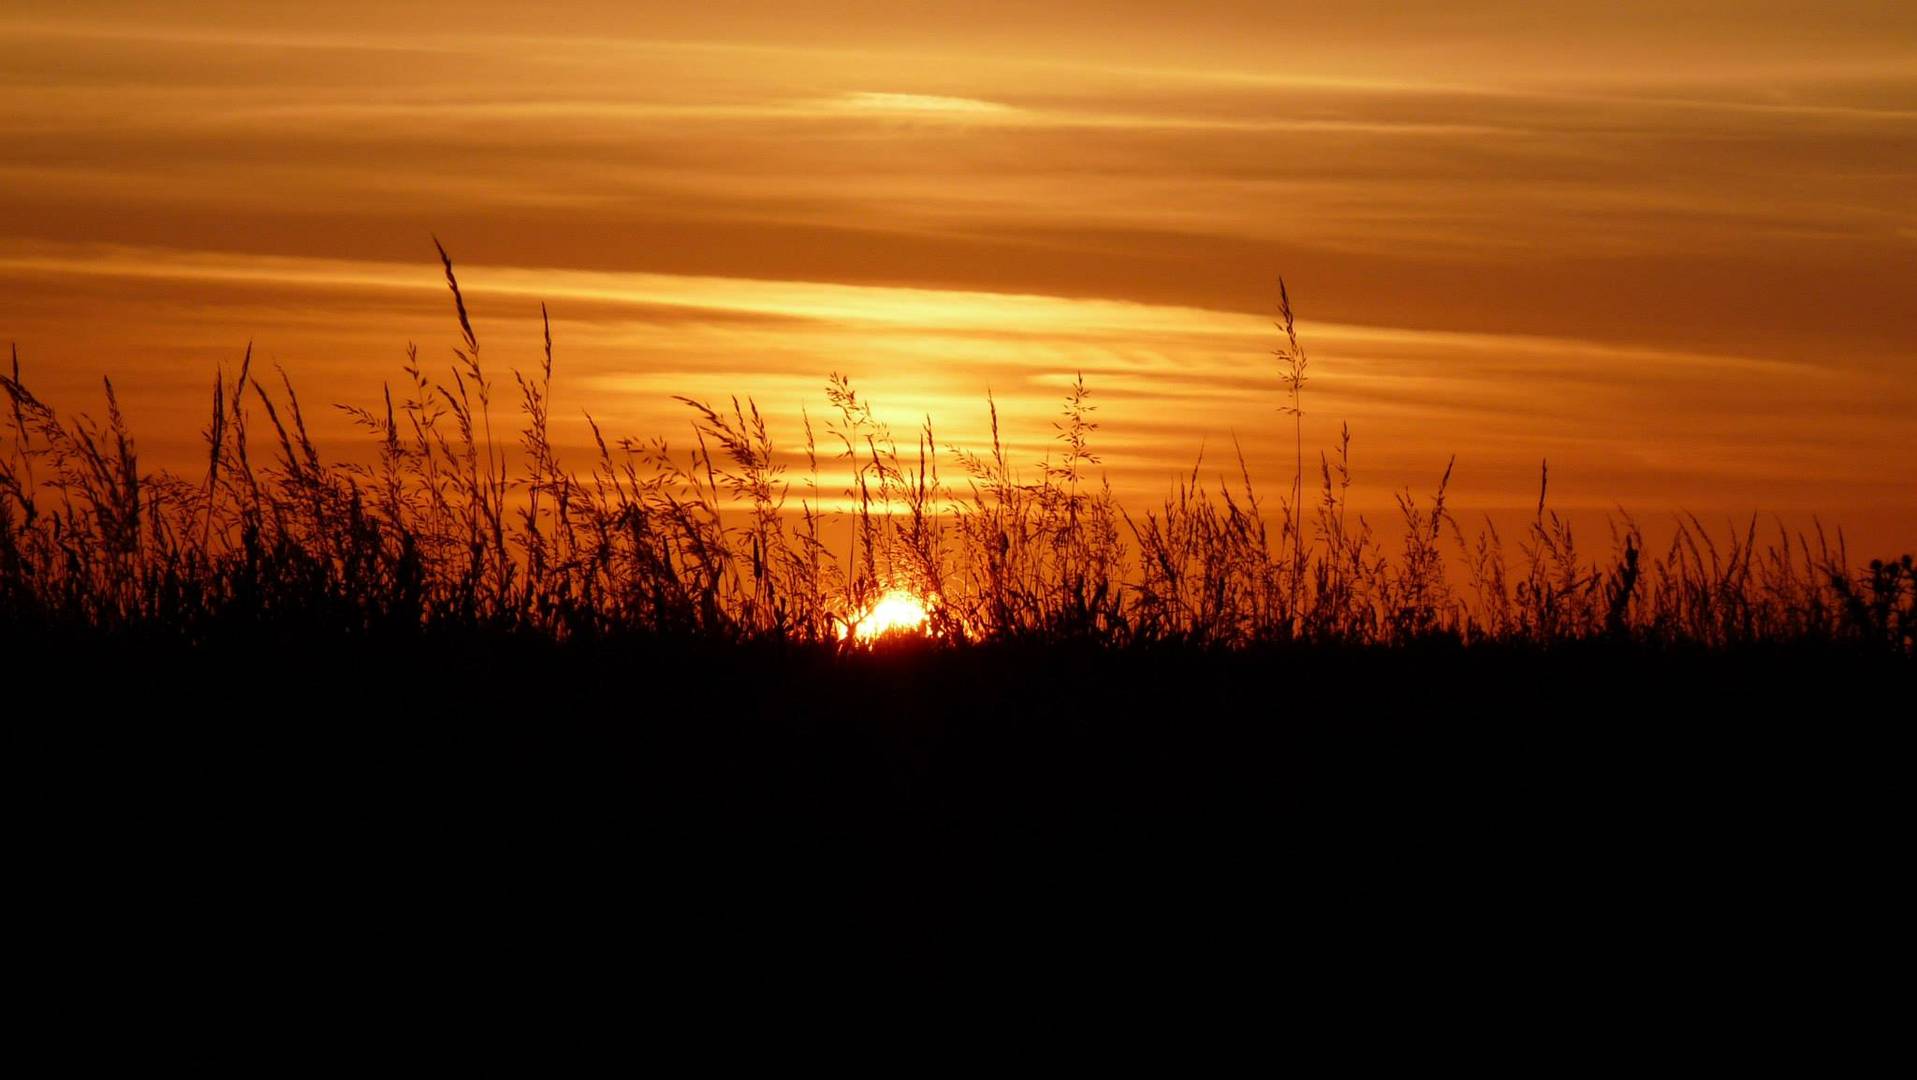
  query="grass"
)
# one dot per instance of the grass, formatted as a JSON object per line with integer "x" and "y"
{"x": 452, "y": 531}
{"x": 463, "y": 697}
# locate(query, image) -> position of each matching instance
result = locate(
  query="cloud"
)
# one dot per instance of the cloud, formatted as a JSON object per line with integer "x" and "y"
{"x": 917, "y": 104}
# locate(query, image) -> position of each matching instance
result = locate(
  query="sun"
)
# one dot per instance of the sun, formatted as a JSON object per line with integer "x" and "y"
{"x": 894, "y": 612}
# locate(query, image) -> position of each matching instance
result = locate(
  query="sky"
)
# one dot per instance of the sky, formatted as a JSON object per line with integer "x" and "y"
{"x": 1670, "y": 247}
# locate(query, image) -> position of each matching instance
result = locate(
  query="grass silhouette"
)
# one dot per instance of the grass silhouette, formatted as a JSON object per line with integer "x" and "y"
{"x": 450, "y": 531}
{"x": 1196, "y": 738}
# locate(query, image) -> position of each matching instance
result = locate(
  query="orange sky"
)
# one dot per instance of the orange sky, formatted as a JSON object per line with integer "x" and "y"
{"x": 1669, "y": 246}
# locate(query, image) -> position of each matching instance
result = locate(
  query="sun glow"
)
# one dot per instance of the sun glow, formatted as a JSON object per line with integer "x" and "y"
{"x": 894, "y": 612}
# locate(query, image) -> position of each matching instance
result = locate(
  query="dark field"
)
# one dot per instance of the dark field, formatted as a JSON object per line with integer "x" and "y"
{"x": 962, "y": 813}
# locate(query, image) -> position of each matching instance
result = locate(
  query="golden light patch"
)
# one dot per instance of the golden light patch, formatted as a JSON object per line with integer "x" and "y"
{"x": 922, "y": 104}
{"x": 896, "y": 611}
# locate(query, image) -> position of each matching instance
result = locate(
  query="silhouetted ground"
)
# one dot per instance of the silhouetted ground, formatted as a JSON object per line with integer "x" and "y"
{"x": 720, "y": 812}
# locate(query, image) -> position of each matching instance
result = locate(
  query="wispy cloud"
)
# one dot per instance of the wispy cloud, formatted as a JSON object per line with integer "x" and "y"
{"x": 1169, "y": 377}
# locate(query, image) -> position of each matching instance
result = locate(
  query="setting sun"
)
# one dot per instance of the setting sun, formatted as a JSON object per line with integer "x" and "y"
{"x": 894, "y": 612}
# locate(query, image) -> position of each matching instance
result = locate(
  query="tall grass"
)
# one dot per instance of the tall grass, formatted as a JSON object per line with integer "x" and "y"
{"x": 449, "y": 530}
